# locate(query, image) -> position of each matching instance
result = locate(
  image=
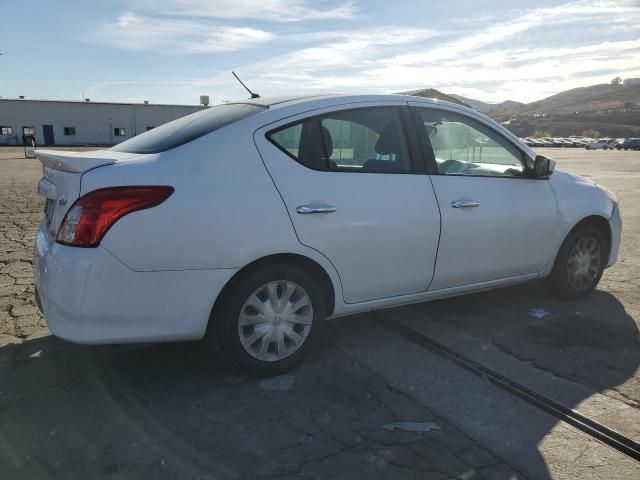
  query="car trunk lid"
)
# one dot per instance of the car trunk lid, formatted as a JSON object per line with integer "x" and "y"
{"x": 60, "y": 184}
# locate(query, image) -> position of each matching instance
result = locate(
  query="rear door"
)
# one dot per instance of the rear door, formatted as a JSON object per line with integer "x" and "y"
{"x": 353, "y": 191}
{"x": 497, "y": 223}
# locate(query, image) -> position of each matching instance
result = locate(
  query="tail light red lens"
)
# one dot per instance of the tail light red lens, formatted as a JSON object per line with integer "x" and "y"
{"x": 92, "y": 215}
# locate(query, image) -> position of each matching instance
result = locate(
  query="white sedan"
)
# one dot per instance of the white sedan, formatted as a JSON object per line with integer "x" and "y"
{"x": 249, "y": 223}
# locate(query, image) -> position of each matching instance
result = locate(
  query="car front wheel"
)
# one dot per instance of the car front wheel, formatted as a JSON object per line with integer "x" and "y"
{"x": 270, "y": 320}
{"x": 580, "y": 263}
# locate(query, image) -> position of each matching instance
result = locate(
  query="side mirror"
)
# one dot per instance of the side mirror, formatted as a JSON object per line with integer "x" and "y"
{"x": 543, "y": 167}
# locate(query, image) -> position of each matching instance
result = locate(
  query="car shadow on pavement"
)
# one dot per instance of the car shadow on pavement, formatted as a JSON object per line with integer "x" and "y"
{"x": 592, "y": 341}
{"x": 568, "y": 351}
{"x": 179, "y": 411}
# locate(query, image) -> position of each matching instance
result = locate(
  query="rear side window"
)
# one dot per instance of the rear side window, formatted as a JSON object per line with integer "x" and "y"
{"x": 188, "y": 128}
{"x": 289, "y": 139}
{"x": 366, "y": 140}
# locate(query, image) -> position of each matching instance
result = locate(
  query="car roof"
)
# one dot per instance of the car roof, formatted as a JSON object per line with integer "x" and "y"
{"x": 278, "y": 99}
{"x": 287, "y": 100}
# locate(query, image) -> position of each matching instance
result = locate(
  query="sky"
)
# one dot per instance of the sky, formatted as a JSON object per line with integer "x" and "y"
{"x": 173, "y": 51}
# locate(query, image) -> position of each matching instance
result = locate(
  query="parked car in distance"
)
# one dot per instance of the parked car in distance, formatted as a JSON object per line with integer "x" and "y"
{"x": 603, "y": 143}
{"x": 248, "y": 224}
{"x": 629, "y": 144}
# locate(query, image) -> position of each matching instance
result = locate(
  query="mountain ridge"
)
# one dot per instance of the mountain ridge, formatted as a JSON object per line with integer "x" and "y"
{"x": 610, "y": 110}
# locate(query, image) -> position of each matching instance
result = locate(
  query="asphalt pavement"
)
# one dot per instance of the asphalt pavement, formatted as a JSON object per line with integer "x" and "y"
{"x": 369, "y": 403}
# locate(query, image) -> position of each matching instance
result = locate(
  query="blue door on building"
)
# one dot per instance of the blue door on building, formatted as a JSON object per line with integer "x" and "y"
{"x": 47, "y": 130}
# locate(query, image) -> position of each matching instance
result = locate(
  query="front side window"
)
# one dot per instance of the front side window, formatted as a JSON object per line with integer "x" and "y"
{"x": 366, "y": 140}
{"x": 463, "y": 146}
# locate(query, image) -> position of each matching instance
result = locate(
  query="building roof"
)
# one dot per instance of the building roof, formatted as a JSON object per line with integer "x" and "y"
{"x": 84, "y": 102}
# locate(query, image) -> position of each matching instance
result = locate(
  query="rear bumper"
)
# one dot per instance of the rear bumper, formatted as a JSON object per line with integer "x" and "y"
{"x": 88, "y": 296}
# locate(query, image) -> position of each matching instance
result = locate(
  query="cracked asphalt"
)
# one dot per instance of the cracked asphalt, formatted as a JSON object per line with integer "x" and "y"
{"x": 177, "y": 411}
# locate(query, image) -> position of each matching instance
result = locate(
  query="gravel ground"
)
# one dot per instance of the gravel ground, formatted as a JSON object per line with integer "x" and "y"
{"x": 20, "y": 213}
{"x": 173, "y": 411}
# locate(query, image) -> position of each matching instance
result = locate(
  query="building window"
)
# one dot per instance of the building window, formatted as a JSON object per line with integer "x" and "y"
{"x": 119, "y": 132}
{"x": 150, "y": 128}
{"x": 29, "y": 130}
{"x": 69, "y": 130}
{"x": 6, "y": 130}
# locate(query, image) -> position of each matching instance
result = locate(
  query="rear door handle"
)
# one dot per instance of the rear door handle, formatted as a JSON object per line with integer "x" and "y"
{"x": 465, "y": 204}
{"x": 307, "y": 209}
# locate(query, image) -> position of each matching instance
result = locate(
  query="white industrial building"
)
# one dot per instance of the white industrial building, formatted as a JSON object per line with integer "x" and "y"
{"x": 631, "y": 82}
{"x": 57, "y": 122}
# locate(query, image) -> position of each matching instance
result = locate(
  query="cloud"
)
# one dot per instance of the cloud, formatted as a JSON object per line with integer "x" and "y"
{"x": 270, "y": 10}
{"x": 340, "y": 54}
{"x": 192, "y": 26}
{"x": 131, "y": 31}
{"x": 524, "y": 56}
{"x": 518, "y": 54}
{"x": 520, "y": 22}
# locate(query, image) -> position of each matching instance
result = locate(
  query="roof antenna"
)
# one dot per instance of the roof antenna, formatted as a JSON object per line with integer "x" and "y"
{"x": 253, "y": 95}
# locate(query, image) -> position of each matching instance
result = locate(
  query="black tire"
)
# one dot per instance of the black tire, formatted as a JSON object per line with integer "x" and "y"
{"x": 225, "y": 328}
{"x": 559, "y": 279}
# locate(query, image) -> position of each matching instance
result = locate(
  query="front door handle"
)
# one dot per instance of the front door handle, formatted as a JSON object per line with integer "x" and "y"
{"x": 307, "y": 209}
{"x": 465, "y": 204}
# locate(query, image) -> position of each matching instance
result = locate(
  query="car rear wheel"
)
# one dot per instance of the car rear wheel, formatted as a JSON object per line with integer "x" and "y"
{"x": 270, "y": 320}
{"x": 580, "y": 263}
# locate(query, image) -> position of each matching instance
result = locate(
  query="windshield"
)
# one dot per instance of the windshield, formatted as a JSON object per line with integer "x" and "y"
{"x": 188, "y": 128}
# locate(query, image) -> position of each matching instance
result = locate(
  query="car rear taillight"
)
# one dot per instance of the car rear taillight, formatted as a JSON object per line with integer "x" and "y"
{"x": 92, "y": 215}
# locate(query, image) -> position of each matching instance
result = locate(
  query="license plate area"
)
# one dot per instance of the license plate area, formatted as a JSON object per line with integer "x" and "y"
{"x": 49, "y": 207}
{"x": 49, "y": 192}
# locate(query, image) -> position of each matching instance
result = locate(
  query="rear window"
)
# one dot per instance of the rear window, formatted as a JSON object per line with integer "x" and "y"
{"x": 188, "y": 128}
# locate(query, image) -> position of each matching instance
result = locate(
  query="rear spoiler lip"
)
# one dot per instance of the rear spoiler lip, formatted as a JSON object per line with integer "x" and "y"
{"x": 67, "y": 161}
{"x": 80, "y": 162}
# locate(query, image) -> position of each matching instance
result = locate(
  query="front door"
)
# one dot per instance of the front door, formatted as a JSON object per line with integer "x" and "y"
{"x": 352, "y": 192}
{"x": 47, "y": 131}
{"x": 497, "y": 222}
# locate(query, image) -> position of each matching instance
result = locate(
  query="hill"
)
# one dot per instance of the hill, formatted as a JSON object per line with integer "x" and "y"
{"x": 596, "y": 98}
{"x": 611, "y": 110}
{"x": 506, "y": 108}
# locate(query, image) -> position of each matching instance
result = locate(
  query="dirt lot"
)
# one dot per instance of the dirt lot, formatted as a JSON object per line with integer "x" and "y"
{"x": 176, "y": 411}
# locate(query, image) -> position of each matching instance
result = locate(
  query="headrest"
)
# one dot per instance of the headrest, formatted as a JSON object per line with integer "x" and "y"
{"x": 389, "y": 140}
{"x": 328, "y": 141}
{"x": 314, "y": 151}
